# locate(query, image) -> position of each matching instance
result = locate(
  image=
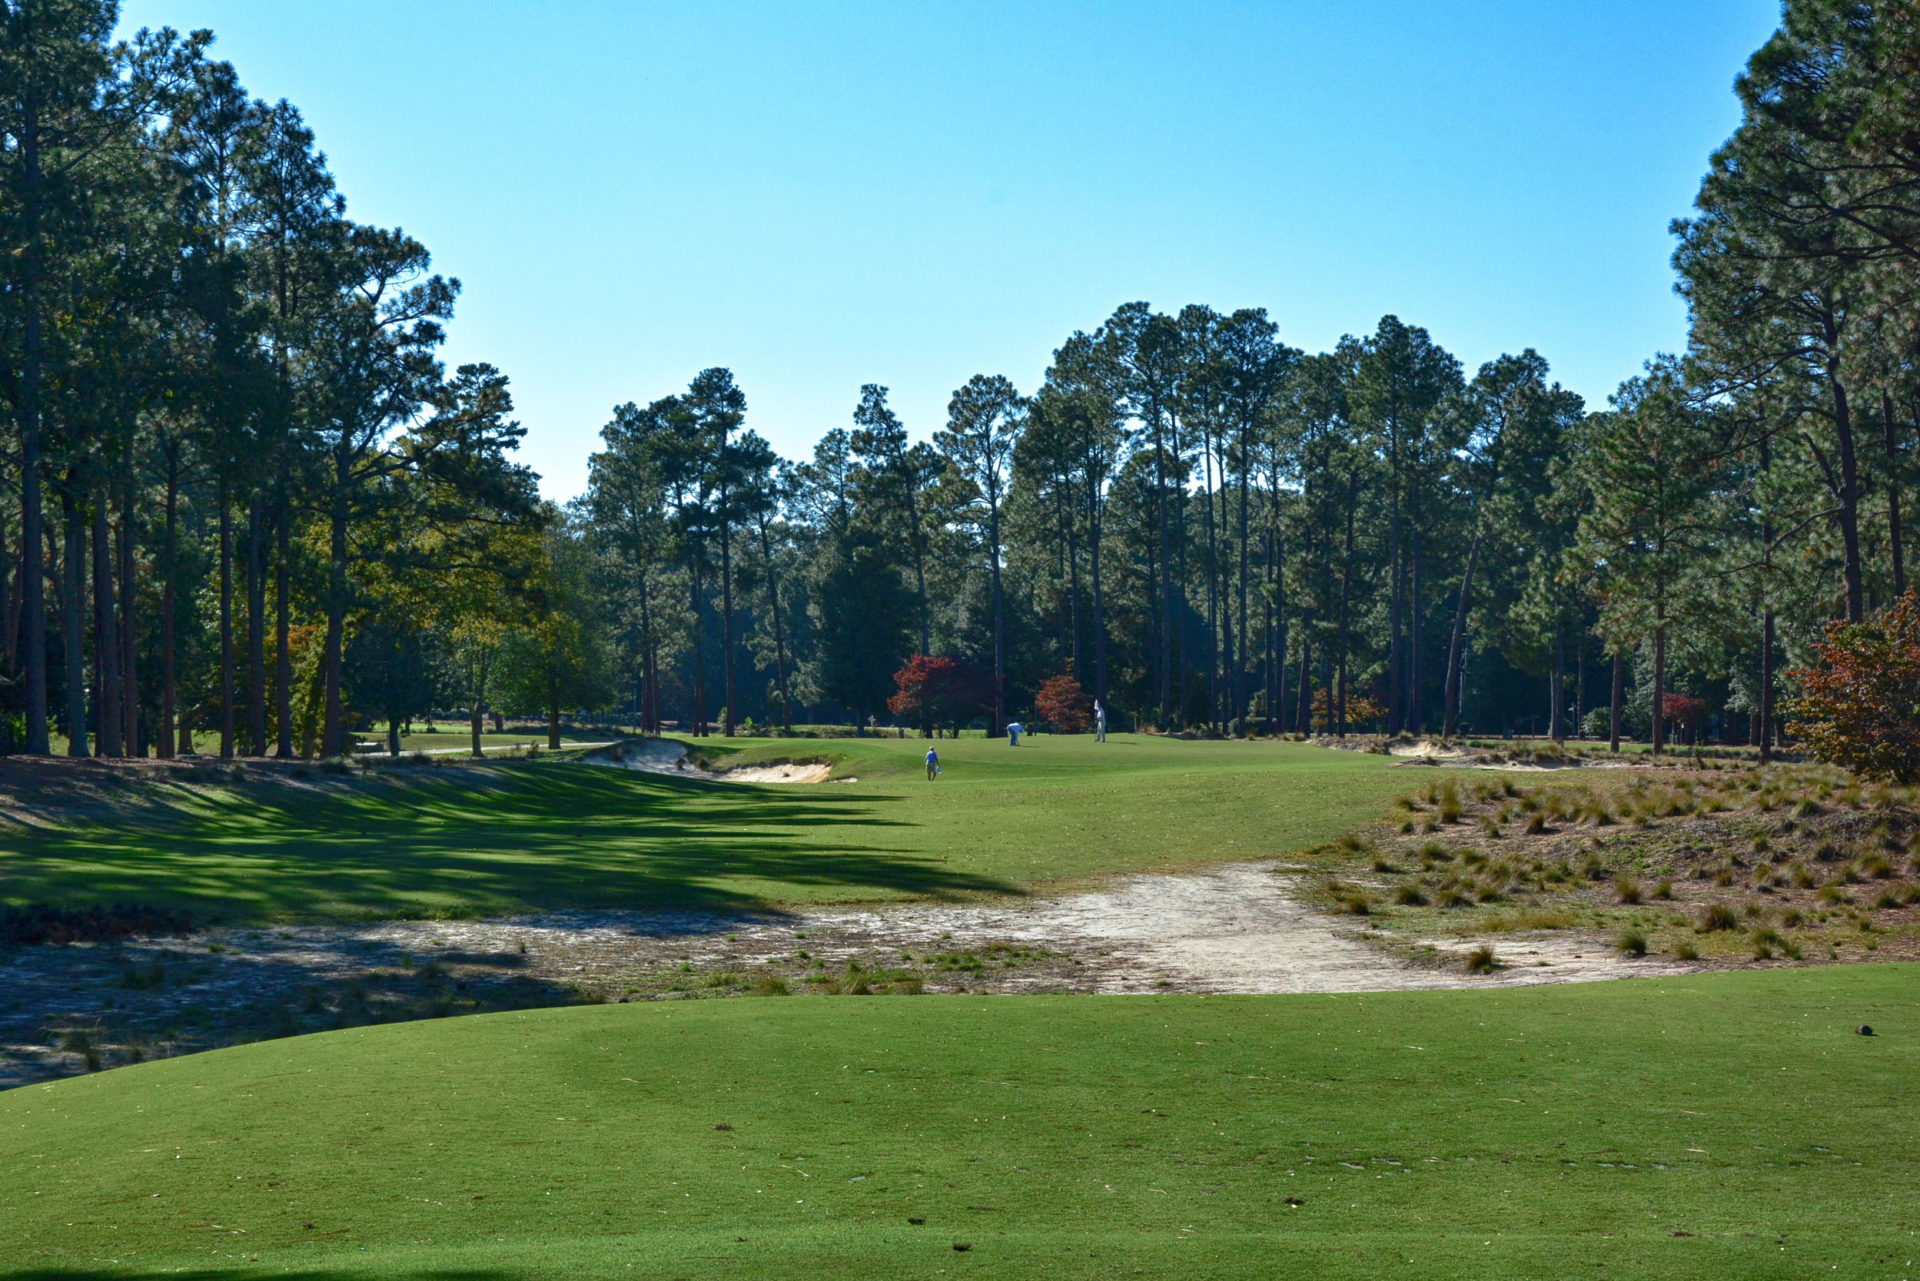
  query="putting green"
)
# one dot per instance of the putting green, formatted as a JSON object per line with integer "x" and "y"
{"x": 554, "y": 834}
{"x": 1727, "y": 1125}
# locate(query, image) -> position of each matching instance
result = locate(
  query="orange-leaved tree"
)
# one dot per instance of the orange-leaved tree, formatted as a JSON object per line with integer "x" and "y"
{"x": 1859, "y": 703}
{"x": 1064, "y": 705}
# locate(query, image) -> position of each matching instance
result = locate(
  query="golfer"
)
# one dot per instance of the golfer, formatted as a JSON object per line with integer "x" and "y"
{"x": 1099, "y": 722}
{"x": 933, "y": 764}
{"x": 1014, "y": 730}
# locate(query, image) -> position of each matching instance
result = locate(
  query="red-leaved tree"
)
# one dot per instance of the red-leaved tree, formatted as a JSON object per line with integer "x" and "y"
{"x": 1859, "y": 703}
{"x": 1684, "y": 712}
{"x": 940, "y": 691}
{"x": 1064, "y": 705}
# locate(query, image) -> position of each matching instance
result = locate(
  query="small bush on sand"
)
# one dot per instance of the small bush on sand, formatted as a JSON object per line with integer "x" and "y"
{"x": 1631, "y": 943}
{"x": 1627, "y": 890}
{"x": 1481, "y": 960}
{"x": 1685, "y": 951}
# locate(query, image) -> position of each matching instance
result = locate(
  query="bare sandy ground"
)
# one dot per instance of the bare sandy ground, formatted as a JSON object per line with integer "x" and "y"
{"x": 1231, "y": 928}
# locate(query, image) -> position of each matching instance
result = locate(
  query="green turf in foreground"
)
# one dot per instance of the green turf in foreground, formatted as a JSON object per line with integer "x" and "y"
{"x": 1725, "y": 1125}
{"x": 561, "y": 834}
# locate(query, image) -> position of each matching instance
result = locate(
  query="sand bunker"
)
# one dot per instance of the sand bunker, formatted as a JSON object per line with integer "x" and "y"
{"x": 665, "y": 756}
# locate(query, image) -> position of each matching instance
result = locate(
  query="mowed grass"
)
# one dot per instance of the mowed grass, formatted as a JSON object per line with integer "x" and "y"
{"x": 1728, "y": 1125}
{"x": 561, "y": 834}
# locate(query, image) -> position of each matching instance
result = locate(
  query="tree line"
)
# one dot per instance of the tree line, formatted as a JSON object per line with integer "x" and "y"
{"x": 245, "y": 497}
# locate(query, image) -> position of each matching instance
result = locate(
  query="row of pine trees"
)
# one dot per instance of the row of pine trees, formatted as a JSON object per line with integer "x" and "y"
{"x": 246, "y": 505}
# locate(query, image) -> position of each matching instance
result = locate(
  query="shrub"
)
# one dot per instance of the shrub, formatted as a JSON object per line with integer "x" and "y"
{"x": 1410, "y": 896}
{"x": 79, "y": 1042}
{"x": 1481, "y": 960}
{"x": 1627, "y": 890}
{"x": 1717, "y": 916}
{"x": 1856, "y": 703}
{"x": 1450, "y": 804}
{"x": 1631, "y": 943}
{"x": 1684, "y": 951}
{"x": 1663, "y": 889}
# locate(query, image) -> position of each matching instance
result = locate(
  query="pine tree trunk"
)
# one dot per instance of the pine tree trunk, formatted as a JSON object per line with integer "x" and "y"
{"x": 1396, "y": 604}
{"x": 1659, "y": 683}
{"x": 1618, "y": 701}
{"x": 72, "y": 624}
{"x": 1457, "y": 647}
{"x": 1073, "y": 584}
{"x": 1166, "y": 574}
{"x": 1557, "y": 686}
{"x": 1893, "y": 495}
{"x": 1213, "y": 593}
{"x": 33, "y": 597}
{"x": 282, "y": 628}
{"x": 256, "y": 627}
{"x": 1415, "y": 717}
{"x": 726, "y": 610}
{"x": 332, "y": 741}
{"x": 999, "y": 624}
{"x": 1241, "y": 704}
{"x": 1849, "y": 488}
{"x": 1099, "y": 602}
{"x": 128, "y": 630}
{"x": 226, "y": 623}
{"x": 699, "y": 654}
{"x": 779, "y": 636}
{"x": 106, "y": 639}
{"x": 1346, "y": 613}
{"x": 1766, "y": 688}
{"x": 167, "y": 736}
{"x": 9, "y": 604}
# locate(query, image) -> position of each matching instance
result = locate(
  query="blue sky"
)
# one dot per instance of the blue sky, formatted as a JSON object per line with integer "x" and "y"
{"x": 823, "y": 195}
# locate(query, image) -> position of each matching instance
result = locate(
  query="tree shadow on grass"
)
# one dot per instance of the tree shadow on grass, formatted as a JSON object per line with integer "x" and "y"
{"x": 258, "y": 1274}
{"x": 542, "y": 836}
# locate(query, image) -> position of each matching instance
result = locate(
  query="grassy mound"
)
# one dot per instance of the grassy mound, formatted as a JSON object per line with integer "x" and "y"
{"x": 1716, "y": 1125}
{"x": 550, "y": 834}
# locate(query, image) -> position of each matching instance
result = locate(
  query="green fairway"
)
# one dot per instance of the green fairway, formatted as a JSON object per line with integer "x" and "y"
{"x": 555, "y": 833}
{"x": 1712, "y": 1126}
